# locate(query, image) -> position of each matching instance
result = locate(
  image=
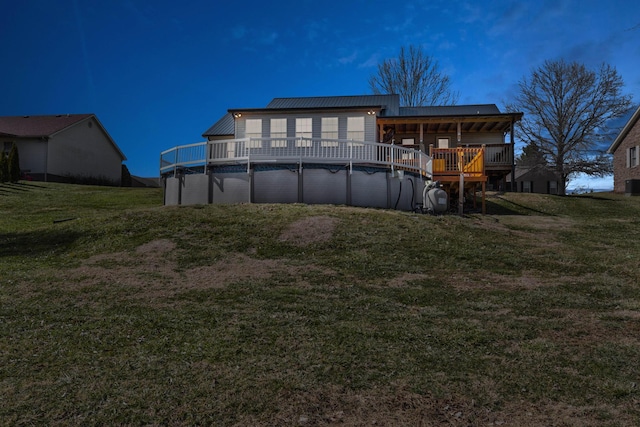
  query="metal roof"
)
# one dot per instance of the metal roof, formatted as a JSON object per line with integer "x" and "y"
{"x": 449, "y": 110}
{"x": 224, "y": 126}
{"x": 390, "y": 103}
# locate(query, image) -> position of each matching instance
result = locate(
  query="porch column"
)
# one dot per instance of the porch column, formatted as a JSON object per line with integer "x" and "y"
{"x": 513, "y": 156}
{"x": 422, "y": 147}
{"x": 484, "y": 199}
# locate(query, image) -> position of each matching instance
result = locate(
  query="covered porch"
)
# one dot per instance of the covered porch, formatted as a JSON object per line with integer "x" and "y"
{"x": 469, "y": 151}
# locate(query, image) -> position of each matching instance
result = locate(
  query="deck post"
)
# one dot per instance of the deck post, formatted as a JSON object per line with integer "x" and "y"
{"x": 484, "y": 204}
{"x": 513, "y": 157}
{"x": 461, "y": 195}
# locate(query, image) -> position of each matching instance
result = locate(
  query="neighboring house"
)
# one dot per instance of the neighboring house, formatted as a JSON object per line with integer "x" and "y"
{"x": 63, "y": 148}
{"x": 626, "y": 157}
{"x": 145, "y": 182}
{"x": 367, "y": 131}
{"x": 535, "y": 179}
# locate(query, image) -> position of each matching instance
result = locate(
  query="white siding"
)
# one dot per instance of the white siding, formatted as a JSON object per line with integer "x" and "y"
{"x": 85, "y": 151}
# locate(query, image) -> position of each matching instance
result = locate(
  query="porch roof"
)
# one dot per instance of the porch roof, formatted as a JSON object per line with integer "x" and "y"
{"x": 445, "y": 119}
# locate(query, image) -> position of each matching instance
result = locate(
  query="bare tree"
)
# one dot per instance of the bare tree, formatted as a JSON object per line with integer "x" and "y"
{"x": 567, "y": 108}
{"x": 416, "y": 77}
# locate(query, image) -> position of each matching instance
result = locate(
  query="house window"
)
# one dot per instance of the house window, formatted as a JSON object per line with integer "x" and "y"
{"x": 355, "y": 128}
{"x": 442, "y": 143}
{"x": 7, "y": 146}
{"x": 278, "y": 132}
{"x": 253, "y": 129}
{"x": 329, "y": 131}
{"x": 408, "y": 141}
{"x": 304, "y": 130}
{"x": 553, "y": 187}
{"x": 527, "y": 187}
{"x": 633, "y": 157}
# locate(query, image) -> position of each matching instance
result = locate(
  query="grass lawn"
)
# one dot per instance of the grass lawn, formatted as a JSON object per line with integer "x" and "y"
{"x": 115, "y": 310}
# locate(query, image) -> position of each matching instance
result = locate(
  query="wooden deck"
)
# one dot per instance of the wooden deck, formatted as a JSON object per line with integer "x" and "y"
{"x": 460, "y": 167}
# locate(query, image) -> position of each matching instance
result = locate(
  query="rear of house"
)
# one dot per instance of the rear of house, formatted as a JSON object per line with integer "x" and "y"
{"x": 365, "y": 144}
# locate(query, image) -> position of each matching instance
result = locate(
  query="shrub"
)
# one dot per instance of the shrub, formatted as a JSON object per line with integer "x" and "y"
{"x": 4, "y": 167}
{"x": 13, "y": 167}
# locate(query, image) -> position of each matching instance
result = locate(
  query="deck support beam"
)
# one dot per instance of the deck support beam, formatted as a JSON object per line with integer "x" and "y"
{"x": 461, "y": 195}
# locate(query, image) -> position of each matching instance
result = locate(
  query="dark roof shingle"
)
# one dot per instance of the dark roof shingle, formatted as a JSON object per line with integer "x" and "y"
{"x": 38, "y": 126}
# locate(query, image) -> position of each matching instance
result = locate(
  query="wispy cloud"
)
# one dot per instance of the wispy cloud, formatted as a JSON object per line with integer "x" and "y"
{"x": 371, "y": 61}
{"x": 349, "y": 59}
{"x": 268, "y": 38}
{"x": 238, "y": 32}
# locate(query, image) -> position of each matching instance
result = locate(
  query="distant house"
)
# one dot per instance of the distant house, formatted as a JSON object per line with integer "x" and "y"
{"x": 362, "y": 150}
{"x": 626, "y": 157}
{"x": 535, "y": 179}
{"x": 63, "y": 148}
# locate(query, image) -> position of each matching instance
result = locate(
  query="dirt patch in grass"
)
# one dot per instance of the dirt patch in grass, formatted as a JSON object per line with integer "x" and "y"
{"x": 401, "y": 406}
{"x": 404, "y": 280}
{"x": 309, "y": 230}
{"x": 491, "y": 281}
{"x": 151, "y": 272}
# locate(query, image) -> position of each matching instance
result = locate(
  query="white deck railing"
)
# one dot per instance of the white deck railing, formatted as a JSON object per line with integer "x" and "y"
{"x": 300, "y": 150}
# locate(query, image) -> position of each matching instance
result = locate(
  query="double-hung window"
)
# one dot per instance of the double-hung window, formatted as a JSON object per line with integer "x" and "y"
{"x": 253, "y": 129}
{"x": 278, "y": 132}
{"x": 329, "y": 131}
{"x": 303, "y": 130}
{"x": 355, "y": 128}
{"x": 632, "y": 157}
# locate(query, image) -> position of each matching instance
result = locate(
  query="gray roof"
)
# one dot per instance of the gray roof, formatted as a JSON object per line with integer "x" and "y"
{"x": 224, "y": 126}
{"x": 39, "y": 126}
{"x": 450, "y": 110}
{"x": 388, "y": 102}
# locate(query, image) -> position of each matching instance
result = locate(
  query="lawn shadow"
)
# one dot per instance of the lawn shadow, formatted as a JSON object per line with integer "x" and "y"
{"x": 17, "y": 187}
{"x": 508, "y": 207}
{"x": 36, "y": 242}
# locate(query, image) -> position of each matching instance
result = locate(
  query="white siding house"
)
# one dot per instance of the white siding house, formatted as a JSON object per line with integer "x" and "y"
{"x": 70, "y": 147}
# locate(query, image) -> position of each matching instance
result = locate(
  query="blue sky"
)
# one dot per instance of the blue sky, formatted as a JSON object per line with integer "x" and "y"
{"x": 159, "y": 73}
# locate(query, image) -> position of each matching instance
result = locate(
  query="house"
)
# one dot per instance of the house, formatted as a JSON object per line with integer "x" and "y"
{"x": 535, "y": 179}
{"x": 626, "y": 157}
{"x": 63, "y": 148}
{"x": 367, "y": 145}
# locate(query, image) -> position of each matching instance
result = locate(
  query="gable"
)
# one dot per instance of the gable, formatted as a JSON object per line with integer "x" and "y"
{"x": 624, "y": 132}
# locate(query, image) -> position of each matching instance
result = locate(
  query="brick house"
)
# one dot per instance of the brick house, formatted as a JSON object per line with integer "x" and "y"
{"x": 626, "y": 156}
